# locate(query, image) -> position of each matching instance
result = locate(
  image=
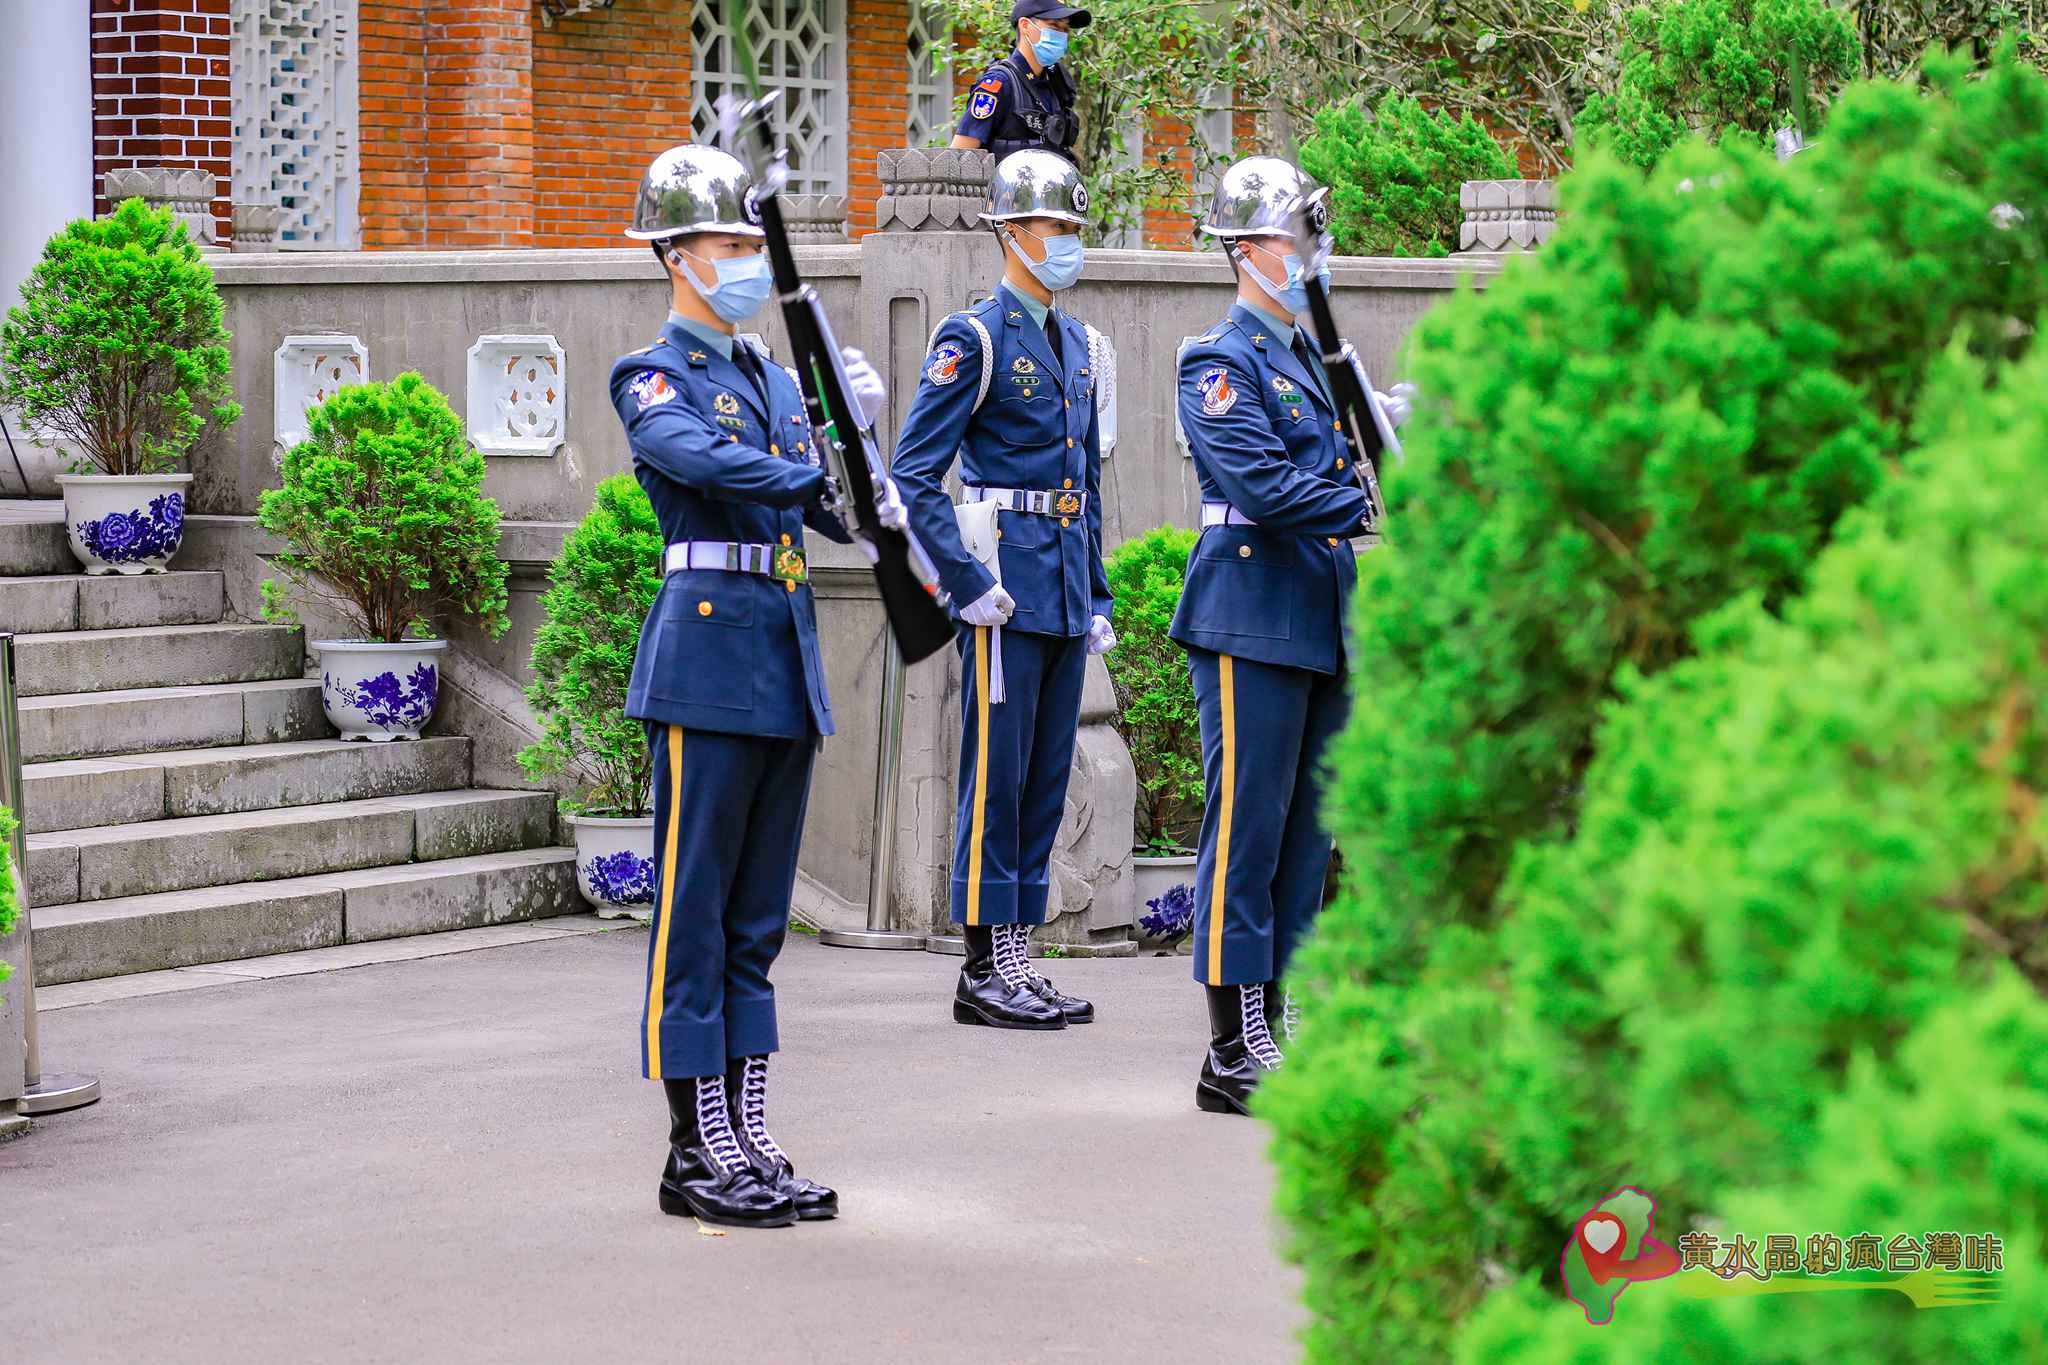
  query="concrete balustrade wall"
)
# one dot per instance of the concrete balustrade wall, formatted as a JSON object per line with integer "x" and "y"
{"x": 425, "y": 311}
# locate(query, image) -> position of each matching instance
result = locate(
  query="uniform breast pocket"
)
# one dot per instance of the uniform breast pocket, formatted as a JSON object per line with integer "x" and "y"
{"x": 1246, "y": 583}
{"x": 705, "y": 656}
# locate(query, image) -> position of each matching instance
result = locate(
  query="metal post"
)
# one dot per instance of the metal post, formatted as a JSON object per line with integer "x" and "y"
{"x": 882, "y": 846}
{"x": 41, "y": 1094}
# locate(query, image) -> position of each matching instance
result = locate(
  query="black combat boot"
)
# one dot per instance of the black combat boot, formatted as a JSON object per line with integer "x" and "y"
{"x": 746, "y": 1090}
{"x": 1240, "y": 1049}
{"x": 707, "y": 1176}
{"x": 986, "y": 995}
{"x": 1072, "y": 1008}
{"x": 1283, "y": 1016}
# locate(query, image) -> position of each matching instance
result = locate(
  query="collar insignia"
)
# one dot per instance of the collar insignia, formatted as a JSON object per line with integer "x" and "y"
{"x": 696, "y": 355}
{"x": 1258, "y": 336}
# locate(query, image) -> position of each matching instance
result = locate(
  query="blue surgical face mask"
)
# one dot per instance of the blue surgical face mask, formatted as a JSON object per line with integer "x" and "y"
{"x": 1293, "y": 295}
{"x": 1050, "y": 47}
{"x": 743, "y": 285}
{"x": 1062, "y": 263}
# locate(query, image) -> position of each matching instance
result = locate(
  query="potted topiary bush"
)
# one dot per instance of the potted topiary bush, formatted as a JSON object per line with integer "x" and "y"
{"x": 117, "y": 350}
{"x": 1156, "y": 712}
{"x": 384, "y": 518}
{"x": 601, "y": 589}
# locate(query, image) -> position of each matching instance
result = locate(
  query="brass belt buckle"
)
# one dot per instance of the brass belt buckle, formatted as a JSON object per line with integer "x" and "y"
{"x": 1069, "y": 505}
{"x": 790, "y": 566}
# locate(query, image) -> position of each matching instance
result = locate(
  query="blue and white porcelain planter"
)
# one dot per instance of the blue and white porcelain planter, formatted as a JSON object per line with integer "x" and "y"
{"x": 378, "y": 691}
{"x": 125, "y": 523}
{"x": 615, "y": 864}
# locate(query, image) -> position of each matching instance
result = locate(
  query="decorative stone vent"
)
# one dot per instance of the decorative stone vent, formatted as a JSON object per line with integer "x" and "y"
{"x": 814, "y": 219}
{"x": 518, "y": 403}
{"x": 306, "y": 370}
{"x": 1507, "y": 215}
{"x": 927, "y": 189}
{"x": 186, "y": 192}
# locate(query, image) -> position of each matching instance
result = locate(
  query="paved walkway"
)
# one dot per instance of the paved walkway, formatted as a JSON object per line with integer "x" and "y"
{"x": 453, "y": 1159}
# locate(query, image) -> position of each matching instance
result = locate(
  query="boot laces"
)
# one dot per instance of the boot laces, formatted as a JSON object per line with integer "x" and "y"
{"x": 714, "y": 1125}
{"x": 1290, "y": 1016}
{"x": 754, "y": 1109}
{"x": 1012, "y": 956}
{"x": 1258, "y": 1040}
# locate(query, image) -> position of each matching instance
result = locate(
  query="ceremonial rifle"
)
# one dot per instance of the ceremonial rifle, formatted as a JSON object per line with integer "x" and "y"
{"x": 911, "y": 598}
{"x": 1359, "y": 414}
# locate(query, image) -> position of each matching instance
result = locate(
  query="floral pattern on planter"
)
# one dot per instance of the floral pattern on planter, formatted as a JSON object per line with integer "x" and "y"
{"x": 388, "y": 703}
{"x": 622, "y": 878}
{"x": 141, "y": 533}
{"x": 1172, "y": 915}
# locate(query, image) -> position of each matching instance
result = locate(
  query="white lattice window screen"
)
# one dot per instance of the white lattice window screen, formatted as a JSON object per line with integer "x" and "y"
{"x": 294, "y": 77}
{"x": 801, "y": 50}
{"x": 931, "y": 91}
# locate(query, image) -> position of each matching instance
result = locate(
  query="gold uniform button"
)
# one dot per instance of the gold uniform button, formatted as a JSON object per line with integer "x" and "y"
{"x": 785, "y": 537}
{"x": 1294, "y": 412}
{"x": 1070, "y": 443}
{"x": 1070, "y": 405}
{"x": 1027, "y": 393}
{"x": 1333, "y": 542}
{"x": 1067, "y": 483}
{"x": 774, "y": 449}
{"x": 703, "y": 608}
{"x": 1336, "y": 426}
{"x": 999, "y": 533}
{"x": 1063, "y": 521}
{"x": 1340, "y": 462}
{"x": 790, "y": 584}
{"x": 1244, "y": 552}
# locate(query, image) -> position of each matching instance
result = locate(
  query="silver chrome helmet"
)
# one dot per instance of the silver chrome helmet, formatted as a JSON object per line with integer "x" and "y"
{"x": 1253, "y": 198}
{"x": 1036, "y": 184}
{"x": 694, "y": 189}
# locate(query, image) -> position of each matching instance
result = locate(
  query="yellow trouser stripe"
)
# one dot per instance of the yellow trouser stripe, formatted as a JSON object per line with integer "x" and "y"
{"x": 980, "y": 774}
{"x": 657, "y": 970}
{"x": 1227, "y": 707}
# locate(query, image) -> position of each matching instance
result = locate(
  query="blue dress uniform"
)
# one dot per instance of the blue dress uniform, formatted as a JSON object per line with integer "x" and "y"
{"x": 729, "y": 681}
{"x": 1262, "y": 617}
{"x": 1032, "y": 443}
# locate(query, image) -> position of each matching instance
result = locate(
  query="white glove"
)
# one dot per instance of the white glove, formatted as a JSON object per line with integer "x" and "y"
{"x": 992, "y": 608}
{"x": 869, "y": 392}
{"x": 889, "y": 506}
{"x": 1398, "y": 403}
{"x": 1101, "y": 639}
{"x": 867, "y": 547}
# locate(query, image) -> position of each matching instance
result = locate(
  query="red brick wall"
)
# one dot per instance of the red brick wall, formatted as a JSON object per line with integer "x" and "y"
{"x": 877, "y": 100}
{"x": 391, "y": 93}
{"x": 479, "y": 143}
{"x": 611, "y": 90}
{"x": 160, "y": 91}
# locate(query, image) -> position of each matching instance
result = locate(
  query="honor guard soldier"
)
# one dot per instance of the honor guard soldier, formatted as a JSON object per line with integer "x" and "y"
{"x": 1026, "y": 100}
{"x": 728, "y": 680}
{"x": 1009, "y": 388}
{"x": 1262, "y": 618}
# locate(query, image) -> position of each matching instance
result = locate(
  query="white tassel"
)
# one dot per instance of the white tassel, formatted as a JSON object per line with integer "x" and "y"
{"x": 995, "y": 665}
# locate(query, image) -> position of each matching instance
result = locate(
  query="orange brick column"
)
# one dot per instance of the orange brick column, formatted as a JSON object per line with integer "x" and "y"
{"x": 479, "y": 134}
{"x": 877, "y": 100}
{"x": 611, "y": 89}
{"x": 160, "y": 92}
{"x": 391, "y": 119}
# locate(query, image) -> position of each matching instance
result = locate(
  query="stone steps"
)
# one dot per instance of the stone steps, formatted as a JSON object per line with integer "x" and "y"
{"x": 156, "y": 656}
{"x": 91, "y": 793}
{"x": 94, "y": 724}
{"x": 68, "y": 602}
{"x": 114, "y": 937}
{"x": 32, "y": 539}
{"x": 65, "y": 866}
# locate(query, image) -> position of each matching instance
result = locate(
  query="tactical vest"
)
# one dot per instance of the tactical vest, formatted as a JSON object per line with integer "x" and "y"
{"x": 1025, "y": 127}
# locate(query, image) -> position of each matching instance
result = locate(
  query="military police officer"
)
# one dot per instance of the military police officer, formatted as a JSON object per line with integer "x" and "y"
{"x": 1262, "y": 616}
{"x": 1009, "y": 387}
{"x": 1026, "y": 100}
{"x": 729, "y": 682}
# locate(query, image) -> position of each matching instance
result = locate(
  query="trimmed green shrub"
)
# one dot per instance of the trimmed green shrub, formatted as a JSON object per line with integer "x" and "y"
{"x": 1708, "y": 66}
{"x": 1155, "y": 693}
{"x": 1665, "y": 410}
{"x": 1394, "y": 174}
{"x": 1790, "y": 975}
{"x": 601, "y": 588}
{"x": 384, "y": 515}
{"x": 10, "y": 896}
{"x": 117, "y": 346}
